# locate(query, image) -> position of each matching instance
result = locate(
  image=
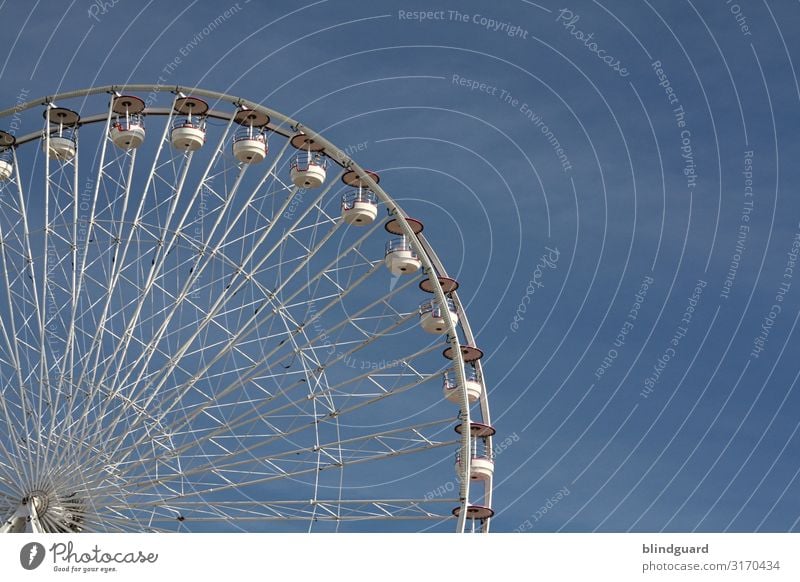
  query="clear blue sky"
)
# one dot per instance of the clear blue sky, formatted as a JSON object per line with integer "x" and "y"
{"x": 648, "y": 150}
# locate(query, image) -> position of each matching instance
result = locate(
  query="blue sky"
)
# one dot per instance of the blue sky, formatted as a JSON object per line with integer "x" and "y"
{"x": 658, "y": 108}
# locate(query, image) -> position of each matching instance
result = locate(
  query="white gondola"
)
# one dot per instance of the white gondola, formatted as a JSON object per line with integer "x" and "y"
{"x": 308, "y": 170}
{"x": 63, "y": 144}
{"x": 360, "y": 207}
{"x": 189, "y": 128}
{"x": 7, "y": 142}
{"x": 6, "y": 164}
{"x": 62, "y": 147}
{"x": 400, "y": 257}
{"x": 127, "y": 131}
{"x": 450, "y": 386}
{"x": 432, "y": 316}
{"x": 250, "y": 146}
{"x": 481, "y": 465}
{"x": 188, "y": 134}
{"x": 250, "y": 142}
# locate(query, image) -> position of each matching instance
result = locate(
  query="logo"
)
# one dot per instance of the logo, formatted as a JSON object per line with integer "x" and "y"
{"x": 31, "y": 555}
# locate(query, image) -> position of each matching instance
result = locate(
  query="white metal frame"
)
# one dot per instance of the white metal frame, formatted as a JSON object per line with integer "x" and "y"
{"x": 303, "y": 342}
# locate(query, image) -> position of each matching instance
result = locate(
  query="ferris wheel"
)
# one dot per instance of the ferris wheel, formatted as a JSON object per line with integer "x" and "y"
{"x": 212, "y": 319}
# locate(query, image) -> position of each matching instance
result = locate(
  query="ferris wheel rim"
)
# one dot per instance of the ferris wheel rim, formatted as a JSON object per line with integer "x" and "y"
{"x": 438, "y": 282}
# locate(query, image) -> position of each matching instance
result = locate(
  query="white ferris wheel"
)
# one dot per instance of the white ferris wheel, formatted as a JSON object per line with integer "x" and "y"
{"x": 212, "y": 319}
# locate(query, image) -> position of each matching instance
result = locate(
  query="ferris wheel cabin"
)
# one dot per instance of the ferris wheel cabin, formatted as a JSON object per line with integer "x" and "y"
{"x": 401, "y": 259}
{"x": 6, "y": 155}
{"x": 250, "y": 142}
{"x": 308, "y": 168}
{"x": 481, "y": 456}
{"x": 359, "y": 207}
{"x": 451, "y": 388}
{"x": 481, "y": 465}
{"x": 189, "y": 128}
{"x": 62, "y": 133}
{"x": 432, "y": 315}
{"x": 127, "y": 131}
